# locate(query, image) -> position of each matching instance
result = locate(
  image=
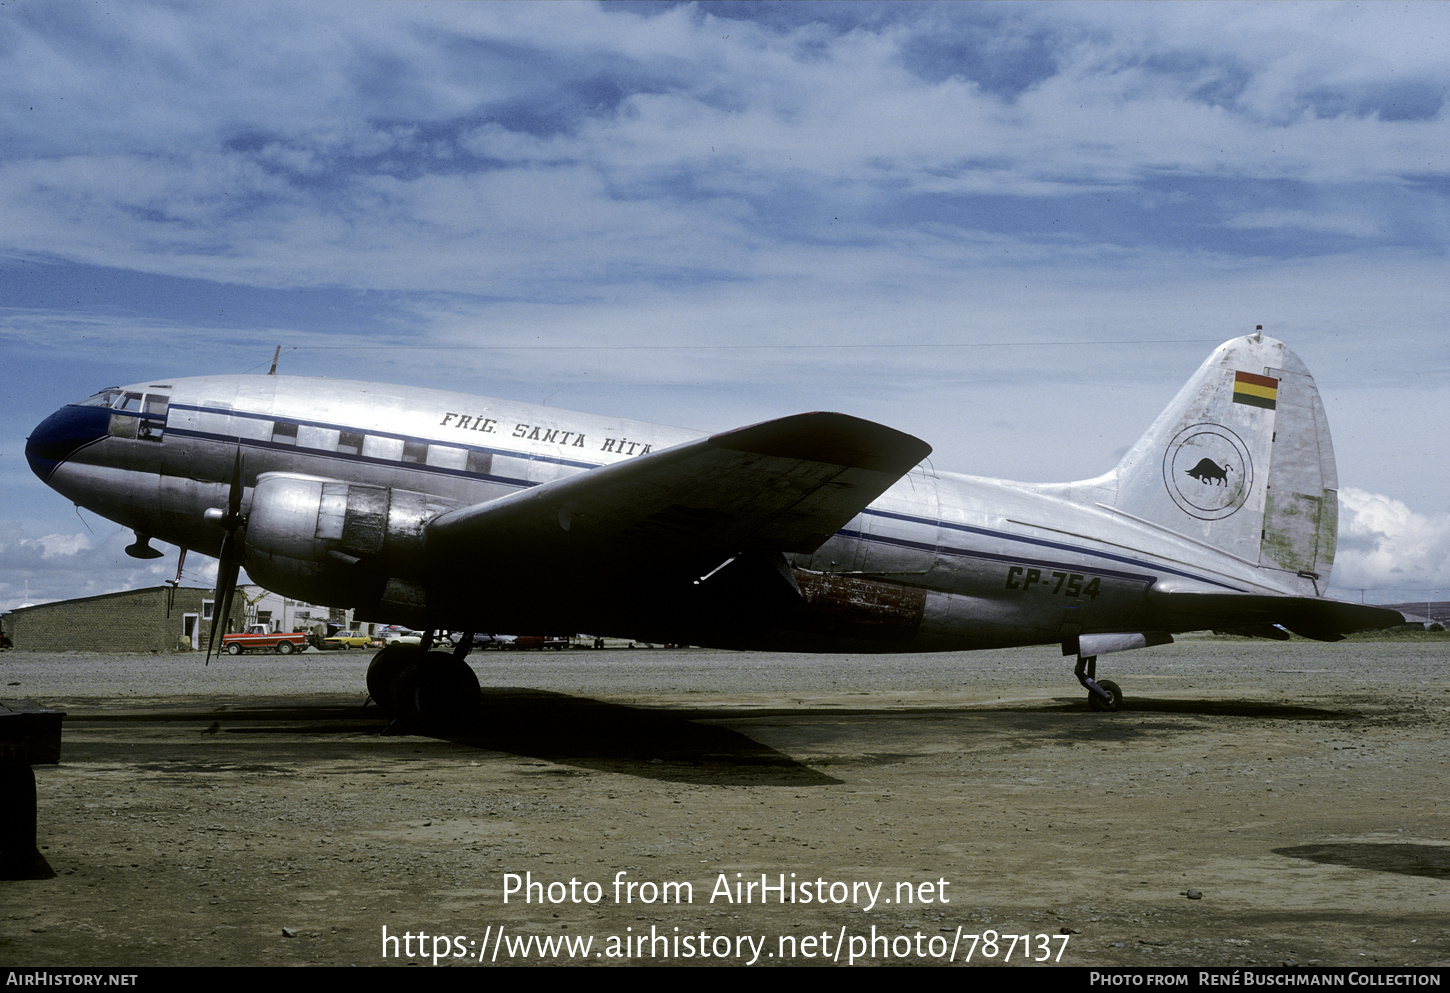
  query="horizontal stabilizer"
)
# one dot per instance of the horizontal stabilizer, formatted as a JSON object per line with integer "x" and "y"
{"x": 1308, "y": 617}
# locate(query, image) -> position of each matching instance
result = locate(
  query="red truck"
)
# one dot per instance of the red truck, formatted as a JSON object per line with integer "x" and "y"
{"x": 259, "y": 639}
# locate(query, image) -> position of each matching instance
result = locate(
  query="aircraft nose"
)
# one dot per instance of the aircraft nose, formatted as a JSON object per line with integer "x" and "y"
{"x": 60, "y": 435}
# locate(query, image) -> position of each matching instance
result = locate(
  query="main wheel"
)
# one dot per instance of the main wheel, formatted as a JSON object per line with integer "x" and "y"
{"x": 441, "y": 690}
{"x": 285, "y": 648}
{"x": 384, "y": 670}
{"x": 1114, "y": 690}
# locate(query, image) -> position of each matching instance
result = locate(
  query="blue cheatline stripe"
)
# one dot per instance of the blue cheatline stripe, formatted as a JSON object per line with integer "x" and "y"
{"x": 1024, "y": 539}
{"x": 319, "y": 453}
{"x": 512, "y": 481}
{"x": 326, "y": 426}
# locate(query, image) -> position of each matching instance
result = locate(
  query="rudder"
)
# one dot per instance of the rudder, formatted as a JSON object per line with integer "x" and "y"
{"x": 1241, "y": 461}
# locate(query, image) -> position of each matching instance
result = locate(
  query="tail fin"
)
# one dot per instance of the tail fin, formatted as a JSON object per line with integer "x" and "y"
{"x": 1241, "y": 461}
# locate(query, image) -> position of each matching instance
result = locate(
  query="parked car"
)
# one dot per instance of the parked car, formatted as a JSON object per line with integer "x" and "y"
{"x": 482, "y": 641}
{"x": 349, "y": 639}
{"x": 557, "y": 642}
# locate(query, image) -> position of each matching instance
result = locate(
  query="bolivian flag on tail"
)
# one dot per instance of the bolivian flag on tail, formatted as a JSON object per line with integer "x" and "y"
{"x": 1256, "y": 391}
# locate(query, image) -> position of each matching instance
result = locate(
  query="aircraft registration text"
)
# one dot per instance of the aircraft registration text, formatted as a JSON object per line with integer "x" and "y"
{"x": 1021, "y": 577}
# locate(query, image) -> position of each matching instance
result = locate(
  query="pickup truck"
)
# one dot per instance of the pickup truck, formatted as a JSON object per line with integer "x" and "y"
{"x": 259, "y": 639}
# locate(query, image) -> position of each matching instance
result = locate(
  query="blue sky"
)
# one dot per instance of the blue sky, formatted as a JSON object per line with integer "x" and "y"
{"x": 710, "y": 214}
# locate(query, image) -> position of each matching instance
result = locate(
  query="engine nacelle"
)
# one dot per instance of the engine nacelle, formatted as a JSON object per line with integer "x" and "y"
{"x": 340, "y": 544}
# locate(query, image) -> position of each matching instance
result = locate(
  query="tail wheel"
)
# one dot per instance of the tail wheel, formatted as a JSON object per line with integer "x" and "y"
{"x": 1113, "y": 689}
{"x": 285, "y": 647}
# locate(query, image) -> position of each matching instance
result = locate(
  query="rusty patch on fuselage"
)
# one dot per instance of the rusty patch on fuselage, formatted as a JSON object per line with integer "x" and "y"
{"x": 856, "y": 608}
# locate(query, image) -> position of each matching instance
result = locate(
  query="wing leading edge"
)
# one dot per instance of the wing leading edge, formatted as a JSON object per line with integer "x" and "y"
{"x": 785, "y": 485}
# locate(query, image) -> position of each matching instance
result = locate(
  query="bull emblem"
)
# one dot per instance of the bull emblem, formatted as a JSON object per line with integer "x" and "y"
{"x": 1209, "y": 471}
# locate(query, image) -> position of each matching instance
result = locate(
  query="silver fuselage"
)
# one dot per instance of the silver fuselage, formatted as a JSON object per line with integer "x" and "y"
{"x": 940, "y": 561}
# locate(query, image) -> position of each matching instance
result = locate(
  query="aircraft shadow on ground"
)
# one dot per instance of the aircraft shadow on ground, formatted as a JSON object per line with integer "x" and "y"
{"x": 1216, "y": 708}
{"x": 1401, "y": 857}
{"x": 576, "y": 731}
{"x": 681, "y": 745}
{"x": 655, "y": 744}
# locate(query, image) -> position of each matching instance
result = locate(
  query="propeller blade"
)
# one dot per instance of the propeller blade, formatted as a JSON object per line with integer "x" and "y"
{"x": 230, "y": 561}
{"x": 226, "y": 582}
{"x": 234, "y": 494}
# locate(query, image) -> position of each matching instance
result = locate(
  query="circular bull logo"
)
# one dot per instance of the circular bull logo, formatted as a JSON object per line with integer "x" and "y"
{"x": 1208, "y": 471}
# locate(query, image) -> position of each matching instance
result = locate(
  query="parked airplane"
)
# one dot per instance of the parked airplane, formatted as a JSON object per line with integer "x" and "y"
{"x": 816, "y": 532}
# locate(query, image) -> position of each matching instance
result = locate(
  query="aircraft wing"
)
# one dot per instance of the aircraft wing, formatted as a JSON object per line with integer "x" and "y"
{"x": 1308, "y": 617}
{"x": 785, "y": 486}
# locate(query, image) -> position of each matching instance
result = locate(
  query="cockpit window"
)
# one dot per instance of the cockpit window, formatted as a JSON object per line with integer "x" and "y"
{"x": 134, "y": 415}
{"x": 102, "y": 399}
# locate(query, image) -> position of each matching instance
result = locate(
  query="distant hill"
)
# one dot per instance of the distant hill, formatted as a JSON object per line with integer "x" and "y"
{"x": 1423, "y": 610}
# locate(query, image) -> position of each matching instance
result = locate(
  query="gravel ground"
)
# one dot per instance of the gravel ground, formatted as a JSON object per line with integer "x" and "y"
{"x": 1256, "y": 804}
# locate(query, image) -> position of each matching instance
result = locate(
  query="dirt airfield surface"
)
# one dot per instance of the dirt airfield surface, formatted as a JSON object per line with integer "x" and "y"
{"x": 1256, "y": 804}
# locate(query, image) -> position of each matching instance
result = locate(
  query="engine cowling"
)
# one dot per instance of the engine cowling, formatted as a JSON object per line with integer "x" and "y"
{"x": 341, "y": 544}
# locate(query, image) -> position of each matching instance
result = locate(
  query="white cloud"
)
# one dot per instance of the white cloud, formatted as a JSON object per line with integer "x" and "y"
{"x": 61, "y": 566}
{"x": 61, "y": 544}
{"x": 1305, "y": 220}
{"x": 1385, "y": 544}
{"x": 196, "y": 158}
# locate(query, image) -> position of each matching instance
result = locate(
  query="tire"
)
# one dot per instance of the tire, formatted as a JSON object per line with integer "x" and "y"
{"x": 1114, "y": 690}
{"x": 285, "y": 648}
{"x": 234, "y": 649}
{"x": 440, "y": 691}
{"x": 383, "y": 672}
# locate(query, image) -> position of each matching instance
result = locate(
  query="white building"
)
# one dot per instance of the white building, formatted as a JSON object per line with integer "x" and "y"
{"x": 280, "y": 613}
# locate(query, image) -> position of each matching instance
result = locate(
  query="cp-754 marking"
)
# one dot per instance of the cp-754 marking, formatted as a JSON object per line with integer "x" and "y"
{"x": 1020, "y": 577}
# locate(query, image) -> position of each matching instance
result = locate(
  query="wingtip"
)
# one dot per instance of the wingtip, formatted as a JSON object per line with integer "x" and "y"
{"x": 836, "y": 439}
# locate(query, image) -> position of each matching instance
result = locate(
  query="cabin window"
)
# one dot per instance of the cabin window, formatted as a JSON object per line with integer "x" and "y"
{"x": 284, "y": 433}
{"x": 415, "y": 451}
{"x": 447, "y": 457}
{"x": 480, "y": 463}
{"x": 350, "y": 443}
{"x": 317, "y": 438}
{"x": 508, "y": 467}
{"x": 385, "y": 449}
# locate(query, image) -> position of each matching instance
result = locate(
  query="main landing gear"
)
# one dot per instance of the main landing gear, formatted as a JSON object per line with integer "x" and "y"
{"x": 1102, "y": 695}
{"x": 422, "y": 688}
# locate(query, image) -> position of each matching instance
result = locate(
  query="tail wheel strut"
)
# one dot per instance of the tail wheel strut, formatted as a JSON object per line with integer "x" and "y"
{"x": 1102, "y": 696}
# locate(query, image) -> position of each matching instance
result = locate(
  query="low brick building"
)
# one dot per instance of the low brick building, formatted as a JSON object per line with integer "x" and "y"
{"x": 156, "y": 619}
